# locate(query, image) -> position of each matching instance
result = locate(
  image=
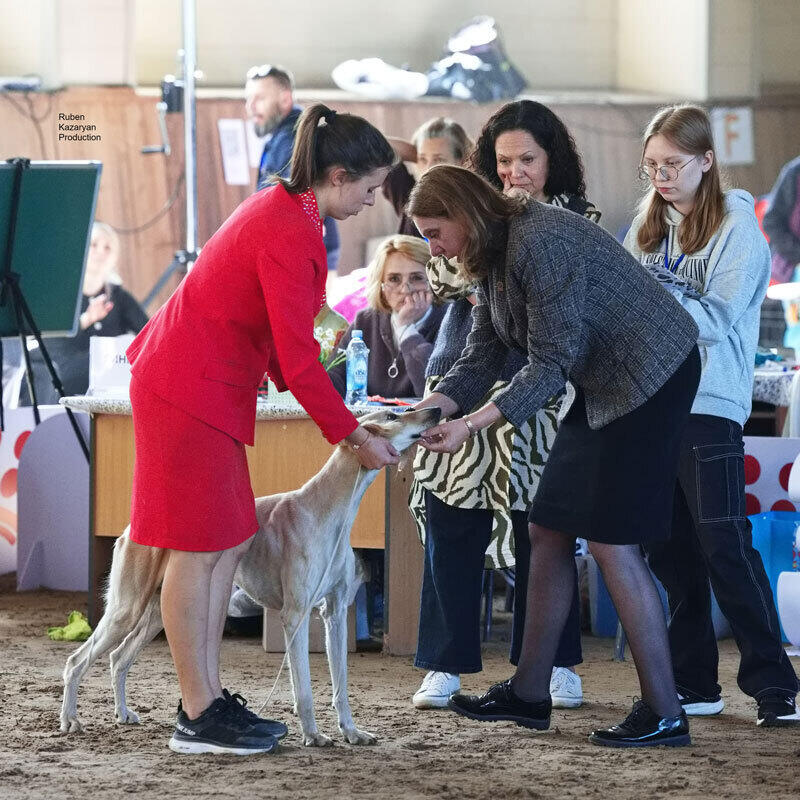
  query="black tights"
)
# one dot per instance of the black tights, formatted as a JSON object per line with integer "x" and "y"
{"x": 637, "y": 601}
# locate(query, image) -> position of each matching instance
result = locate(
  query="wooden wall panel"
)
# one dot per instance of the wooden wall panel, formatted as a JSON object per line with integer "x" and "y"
{"x": 134, "y": 186}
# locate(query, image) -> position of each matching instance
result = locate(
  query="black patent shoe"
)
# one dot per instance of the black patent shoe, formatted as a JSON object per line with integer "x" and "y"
{"x": 261, "y": 725}
{"x": 644, "y": 728}
{"x": 500, "y": 703}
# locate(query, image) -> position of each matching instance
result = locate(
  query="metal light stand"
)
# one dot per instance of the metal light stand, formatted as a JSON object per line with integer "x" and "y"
{"x": 183, "y": 260}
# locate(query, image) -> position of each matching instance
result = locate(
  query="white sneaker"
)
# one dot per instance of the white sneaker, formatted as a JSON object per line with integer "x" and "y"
{"x": 697, "y": 706}
{"x": 435, "y": 690}
{"x": 566, "y": 690}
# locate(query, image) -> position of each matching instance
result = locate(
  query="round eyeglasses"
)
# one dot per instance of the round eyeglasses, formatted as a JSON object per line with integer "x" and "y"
{"x": 667, "y": 172}
{"x": 416, "y": 282}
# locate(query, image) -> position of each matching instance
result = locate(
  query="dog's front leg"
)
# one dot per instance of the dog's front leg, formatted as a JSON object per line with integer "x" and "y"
{"x": 334, "y": 613}
{"x": 295, "y": 631}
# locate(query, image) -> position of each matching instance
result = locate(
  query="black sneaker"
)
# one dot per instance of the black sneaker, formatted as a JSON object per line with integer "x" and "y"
{"x": 500, "y": 703}
{"x": 697, "y": 705}
{"x": 259, "y": 724}
{"x": 218, "y": 730}
{"x": 644, "y": 728}
{"x": 777, "y": 711}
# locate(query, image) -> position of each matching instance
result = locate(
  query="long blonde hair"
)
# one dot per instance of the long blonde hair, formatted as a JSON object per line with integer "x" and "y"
{"x": 689, "y": 128}
{"x": 410, "y": 246}
{"x": 104, "y": 229}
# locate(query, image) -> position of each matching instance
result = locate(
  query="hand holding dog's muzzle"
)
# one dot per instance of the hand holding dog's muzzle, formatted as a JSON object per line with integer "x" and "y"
{"x": 447, "y": 437}
{"x": 375, "y": 452}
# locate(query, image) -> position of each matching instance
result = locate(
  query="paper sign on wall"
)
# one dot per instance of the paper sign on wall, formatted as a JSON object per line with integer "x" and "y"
{"x": 733, "y": 134}
{"x": 233, "y": 146}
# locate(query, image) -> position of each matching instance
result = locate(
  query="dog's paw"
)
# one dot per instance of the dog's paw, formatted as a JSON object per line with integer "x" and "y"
{"x": 126, "y": 717}
{"x": 317, "y": 740}
{"x": 355, "y": 736}
{"x": 71, "y": 725}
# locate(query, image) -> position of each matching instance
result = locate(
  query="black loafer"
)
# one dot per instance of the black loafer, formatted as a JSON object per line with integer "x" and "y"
{"x": 500, "y": 703}
{"x": 644, "y": 728}
{"x": 261, "y": 725}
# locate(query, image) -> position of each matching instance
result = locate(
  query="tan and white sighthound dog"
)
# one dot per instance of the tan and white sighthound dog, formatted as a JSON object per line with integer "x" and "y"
{"x": 304, "y": 536}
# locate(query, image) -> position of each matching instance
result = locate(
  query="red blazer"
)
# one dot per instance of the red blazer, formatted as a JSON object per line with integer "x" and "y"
{"x": 246, "y": 308}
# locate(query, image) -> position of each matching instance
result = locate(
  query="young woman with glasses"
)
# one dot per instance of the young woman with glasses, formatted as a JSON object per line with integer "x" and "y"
{"x": 710, "y": 240}
{"x": 400, "y": 322}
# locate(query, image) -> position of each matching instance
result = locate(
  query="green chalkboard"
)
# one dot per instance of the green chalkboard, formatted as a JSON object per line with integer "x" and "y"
{"x": 54, "y": 223}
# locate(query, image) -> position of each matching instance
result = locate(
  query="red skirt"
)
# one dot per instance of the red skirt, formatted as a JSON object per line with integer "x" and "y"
{"x": 191, "y": 483}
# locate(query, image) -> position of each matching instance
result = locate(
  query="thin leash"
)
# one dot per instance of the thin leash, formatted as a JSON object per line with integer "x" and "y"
{"x": 308, "y": 610}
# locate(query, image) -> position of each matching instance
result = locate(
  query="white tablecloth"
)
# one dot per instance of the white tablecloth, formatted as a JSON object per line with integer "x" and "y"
{"x": 772, "y": 386}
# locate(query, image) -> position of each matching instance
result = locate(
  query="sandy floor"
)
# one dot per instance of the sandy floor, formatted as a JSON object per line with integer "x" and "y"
{"x": 419, "y": 754}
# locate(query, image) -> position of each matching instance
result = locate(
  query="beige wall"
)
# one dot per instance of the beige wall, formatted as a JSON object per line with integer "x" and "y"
{"x": 68, "y": 42}
{"x": 22, "y": 37}
{"x": 554, "y": 43}
{"x": 696, "y": 49}
{"x": 663, "y": 47}
{"x": 733, "y": 69}
{"x": 779, "y": 41}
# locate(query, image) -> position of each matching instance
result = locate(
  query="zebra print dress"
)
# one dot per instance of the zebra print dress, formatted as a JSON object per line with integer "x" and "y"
{"x": 500, "y": 466}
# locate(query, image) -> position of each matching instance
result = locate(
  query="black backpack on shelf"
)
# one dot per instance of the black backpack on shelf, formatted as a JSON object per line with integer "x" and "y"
{"x": 475, "y": 66}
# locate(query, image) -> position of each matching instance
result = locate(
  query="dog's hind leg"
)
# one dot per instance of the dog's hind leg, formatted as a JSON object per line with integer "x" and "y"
{"x": 135, "y": 571}
{"x": 334, "y": 614}
{"x": 122, "y": 658}
{"x": 297, "y": 627}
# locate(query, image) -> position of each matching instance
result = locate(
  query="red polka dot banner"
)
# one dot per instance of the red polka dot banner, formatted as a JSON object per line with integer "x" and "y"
{"x": 767, "y": 463}
{"x": 19, "y": 425}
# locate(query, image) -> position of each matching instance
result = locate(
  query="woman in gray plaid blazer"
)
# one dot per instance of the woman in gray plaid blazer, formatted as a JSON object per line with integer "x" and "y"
{"x": 559, "y": 289}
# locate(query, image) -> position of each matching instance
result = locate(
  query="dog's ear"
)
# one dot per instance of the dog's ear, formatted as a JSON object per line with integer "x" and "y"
{"x": 383, "y": 431}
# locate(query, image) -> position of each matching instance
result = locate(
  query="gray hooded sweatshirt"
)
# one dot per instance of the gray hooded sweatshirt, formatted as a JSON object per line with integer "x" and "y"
{"x": 730, "y": 274}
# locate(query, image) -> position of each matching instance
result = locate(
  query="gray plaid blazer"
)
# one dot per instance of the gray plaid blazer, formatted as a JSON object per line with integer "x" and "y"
{"x": 581, "y": 308}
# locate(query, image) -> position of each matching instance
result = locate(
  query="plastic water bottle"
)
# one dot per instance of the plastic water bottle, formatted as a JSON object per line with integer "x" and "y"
{"x": 357, "y": 361}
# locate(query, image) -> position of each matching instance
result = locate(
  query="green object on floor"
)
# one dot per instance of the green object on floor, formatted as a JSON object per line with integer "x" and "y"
{"x": 77, "y": 629}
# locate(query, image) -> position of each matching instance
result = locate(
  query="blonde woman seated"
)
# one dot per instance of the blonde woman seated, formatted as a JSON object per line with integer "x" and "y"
{"x": 400, "y": 322}
{"x": 107, "y": 309}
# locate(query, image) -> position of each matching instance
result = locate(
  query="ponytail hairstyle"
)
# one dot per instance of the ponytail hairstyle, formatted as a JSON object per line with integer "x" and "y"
{"x": 324, "y": 139}
{"x": 448, "y": 192}
{"x": 688, "y": 127}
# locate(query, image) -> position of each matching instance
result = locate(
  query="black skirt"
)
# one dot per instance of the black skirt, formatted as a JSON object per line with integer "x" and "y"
{"x": 616, "y": 485}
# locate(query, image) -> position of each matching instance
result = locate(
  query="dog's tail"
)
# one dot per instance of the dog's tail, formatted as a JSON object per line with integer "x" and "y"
{"x": 136, "y": 573}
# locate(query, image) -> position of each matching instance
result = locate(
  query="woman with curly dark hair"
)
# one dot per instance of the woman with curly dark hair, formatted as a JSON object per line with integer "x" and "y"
{"x": 525, "y": 146}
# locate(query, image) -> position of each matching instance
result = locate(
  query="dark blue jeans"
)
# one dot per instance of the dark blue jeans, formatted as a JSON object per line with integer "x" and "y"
{"x": 450, "y": 606}
{"x": 711, "y": 540}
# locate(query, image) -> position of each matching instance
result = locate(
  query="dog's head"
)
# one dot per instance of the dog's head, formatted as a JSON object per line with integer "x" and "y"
{"x": 402, "y": 429}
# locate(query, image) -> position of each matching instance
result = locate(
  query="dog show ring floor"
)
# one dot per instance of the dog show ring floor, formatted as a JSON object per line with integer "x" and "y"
{"x": 420, "y": 754}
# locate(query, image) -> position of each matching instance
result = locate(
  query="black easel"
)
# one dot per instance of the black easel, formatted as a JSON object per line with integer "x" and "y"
{"x": 10, "y": 292}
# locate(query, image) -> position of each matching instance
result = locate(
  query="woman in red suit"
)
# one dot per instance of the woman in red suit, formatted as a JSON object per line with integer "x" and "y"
{"x": 246, "y": 308}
